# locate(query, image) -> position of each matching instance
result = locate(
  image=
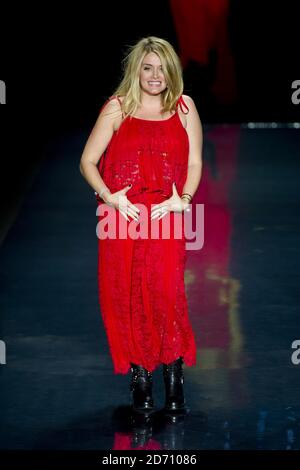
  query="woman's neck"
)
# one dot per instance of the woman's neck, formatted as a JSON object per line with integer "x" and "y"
{"x": 151, "y": 102}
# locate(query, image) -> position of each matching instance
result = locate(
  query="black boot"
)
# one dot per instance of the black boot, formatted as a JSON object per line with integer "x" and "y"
{"x": 141, "y": 387}
{"x": 174, "y": 380}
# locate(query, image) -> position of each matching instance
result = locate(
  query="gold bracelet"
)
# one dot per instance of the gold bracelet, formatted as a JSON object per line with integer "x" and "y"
{"x": 187, "y": 194}
{"x": 186, "y": 198}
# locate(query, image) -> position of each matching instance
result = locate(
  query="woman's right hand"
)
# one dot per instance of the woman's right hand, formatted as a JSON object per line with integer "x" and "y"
{"x": 119, "y": 201}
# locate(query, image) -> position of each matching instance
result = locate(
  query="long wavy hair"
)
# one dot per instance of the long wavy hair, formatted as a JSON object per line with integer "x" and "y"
{"x": 129, "y": 87}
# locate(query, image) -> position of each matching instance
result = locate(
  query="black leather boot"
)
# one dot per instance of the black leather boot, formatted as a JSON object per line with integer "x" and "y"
{"x": 174, "y": 380}
{"x": 141, "y": 387}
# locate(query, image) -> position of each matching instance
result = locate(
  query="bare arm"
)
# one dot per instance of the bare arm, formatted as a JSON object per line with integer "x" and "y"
{"x": 195, "y": 134}
{"x": 108, "y": 120}
{"x": 96, "y": 144}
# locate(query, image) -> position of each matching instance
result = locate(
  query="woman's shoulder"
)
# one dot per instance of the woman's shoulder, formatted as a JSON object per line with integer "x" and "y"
{"x": 116, "y": 100}
{"x": 187, "y": 99}
{"x": 112, "y": 107}
{"x": 113, "y": 103}
{"x": 189, "y": 105}
{"x": 190, "y": 111}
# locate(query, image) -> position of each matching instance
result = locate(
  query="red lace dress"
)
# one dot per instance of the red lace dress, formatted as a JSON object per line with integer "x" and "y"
{"x": 141, "y": 278}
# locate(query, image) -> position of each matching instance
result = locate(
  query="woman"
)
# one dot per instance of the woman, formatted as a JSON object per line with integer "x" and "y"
{"x": 143, "y": 159}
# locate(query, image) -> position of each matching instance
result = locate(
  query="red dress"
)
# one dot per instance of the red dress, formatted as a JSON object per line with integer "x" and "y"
{"x": 141, "y": 279}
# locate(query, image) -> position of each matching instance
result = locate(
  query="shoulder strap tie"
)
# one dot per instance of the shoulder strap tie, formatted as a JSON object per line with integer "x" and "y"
{"x": 182, "y": 103}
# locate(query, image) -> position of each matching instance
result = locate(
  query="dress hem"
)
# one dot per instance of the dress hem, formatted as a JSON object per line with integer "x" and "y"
{"x": 187, "y": 361}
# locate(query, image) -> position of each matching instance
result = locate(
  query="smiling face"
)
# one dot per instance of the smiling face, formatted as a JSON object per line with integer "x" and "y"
{"x": 152, "y": 80}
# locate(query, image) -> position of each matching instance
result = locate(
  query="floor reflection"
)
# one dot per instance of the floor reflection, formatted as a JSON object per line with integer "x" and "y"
{"x": 127, "y": 430}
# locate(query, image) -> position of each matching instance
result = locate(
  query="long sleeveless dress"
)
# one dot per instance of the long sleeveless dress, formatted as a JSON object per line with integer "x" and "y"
{"x": 141, "y": 279}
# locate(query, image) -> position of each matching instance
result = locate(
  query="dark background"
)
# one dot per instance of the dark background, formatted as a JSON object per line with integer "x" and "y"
{"x": 60, "y": 61}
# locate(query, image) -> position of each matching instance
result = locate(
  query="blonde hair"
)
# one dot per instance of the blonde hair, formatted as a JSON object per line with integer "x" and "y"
{"x": 129, "y": 87}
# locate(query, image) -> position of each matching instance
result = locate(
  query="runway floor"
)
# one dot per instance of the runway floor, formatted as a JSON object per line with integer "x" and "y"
{"x": 58, "y": 390}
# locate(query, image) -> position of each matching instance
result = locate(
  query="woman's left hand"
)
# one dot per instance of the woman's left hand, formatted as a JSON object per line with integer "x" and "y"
{"x": 173, "y": 204}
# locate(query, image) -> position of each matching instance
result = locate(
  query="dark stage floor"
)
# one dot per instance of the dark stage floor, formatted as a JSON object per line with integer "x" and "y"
{"x": 58, "y": 390}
